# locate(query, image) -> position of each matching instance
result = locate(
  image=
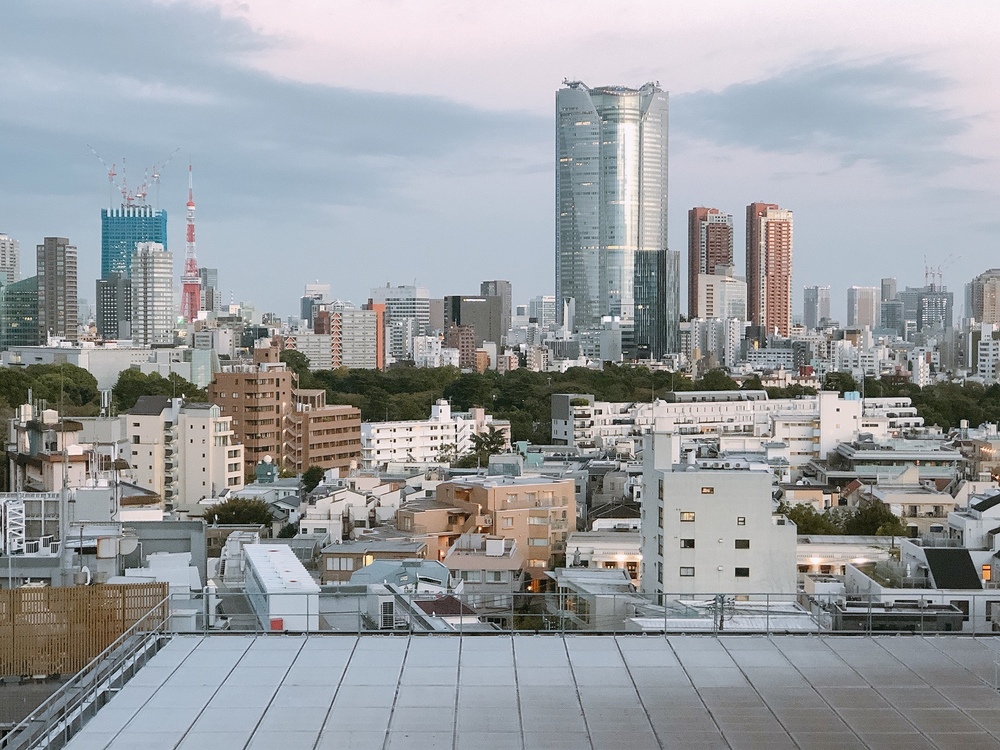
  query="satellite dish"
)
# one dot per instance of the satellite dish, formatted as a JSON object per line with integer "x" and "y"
{"x": 128, "y": 545}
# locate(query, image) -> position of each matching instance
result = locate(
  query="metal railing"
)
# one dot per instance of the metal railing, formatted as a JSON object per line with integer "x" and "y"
{"x": 64, "y": 713}
{"x": 355, "y": 610}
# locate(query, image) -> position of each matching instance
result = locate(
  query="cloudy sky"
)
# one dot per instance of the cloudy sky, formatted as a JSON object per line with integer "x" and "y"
{"x": 360, "y": 142}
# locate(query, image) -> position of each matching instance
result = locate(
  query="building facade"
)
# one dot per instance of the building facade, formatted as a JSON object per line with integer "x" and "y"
{"x": 122, "y": 229}
{"x": 114, "y": 307}
{"x": 10, "y": 259}
{"x": 324, "y": 435}
{"x": 710, "y": 245}
{"x": 57, "y": 289}
{"x": 863, "y": 307}
{"x": 19, "y": 314}
{"x": 815, "y": 306}
{"x": 769, "y": 267}
{"x": 152, "y": 280}
{"x": 611, "y": 224}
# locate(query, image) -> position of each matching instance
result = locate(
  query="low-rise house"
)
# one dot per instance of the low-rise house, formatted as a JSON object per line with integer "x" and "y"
{"x": 606, "y": 550}
{"x": 339, "y": 561}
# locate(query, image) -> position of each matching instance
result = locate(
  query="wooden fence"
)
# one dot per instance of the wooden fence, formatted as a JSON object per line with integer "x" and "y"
{"x": 46, "y": 631}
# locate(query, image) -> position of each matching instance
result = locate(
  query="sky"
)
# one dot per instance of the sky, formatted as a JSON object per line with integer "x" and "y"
{"x": 364, "y": 142}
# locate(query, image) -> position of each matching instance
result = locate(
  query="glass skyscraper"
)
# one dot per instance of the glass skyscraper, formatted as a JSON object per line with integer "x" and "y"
{"x": 611, "y": 228}
{"x": 122, "y": 228}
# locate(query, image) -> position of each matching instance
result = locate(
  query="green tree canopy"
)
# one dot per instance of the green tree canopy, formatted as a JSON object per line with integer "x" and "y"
{"x": 132, "y": 384}
{"x": 873, "y": 518}
{"x": 809, "y": 520}
{"x": 311, "y": 478}
{"x": 238, "y": 510}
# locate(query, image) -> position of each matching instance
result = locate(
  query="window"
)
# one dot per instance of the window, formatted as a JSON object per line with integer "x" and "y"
{"x": 987, "y": 572}
{"x": 687, "y": 543}
{"x": 508, "y": 522}
{"x": 687, "y": 572}
{"x": 661, "y": 489}
{"x": 742, "y": 544}
{"x": 541, "y": 541}
{"x": 962, "y": 604}
{"x": 687, "y": 516}
{"x": 537, "y": 521}
{"x": 135, "y": 440}
{"x": 743, "y": 572}
{"x": 708, "y": 490}
{"x": 741, "y": 521}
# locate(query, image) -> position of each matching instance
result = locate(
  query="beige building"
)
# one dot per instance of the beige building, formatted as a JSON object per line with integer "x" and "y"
{"x": 321, "y": 434}
{"x": 184, "y": 452}
{"x": 339, "y": 561}
{"x": 537, "y": 512}
{"x": 260, "y": 401}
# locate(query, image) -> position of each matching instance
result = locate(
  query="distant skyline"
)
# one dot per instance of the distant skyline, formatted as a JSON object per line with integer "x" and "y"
{"x": 365, "y": 142}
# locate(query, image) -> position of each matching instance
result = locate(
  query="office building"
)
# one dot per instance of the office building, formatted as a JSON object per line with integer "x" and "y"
{"x": 153, "y": 312}
{"x": 984, "y": 294}
{"x": 314, "y": 297}
{"x": 721, "y": 295}
{"x": 10, "y": 260}
{"x": 892, "y": 318}
{"x": 769, "y": 267}
{"x": 114, "y": 307}
{"x": 815, "y": 306}
{"x": 122, "y": 229}
{"x": 611, "y": 224}
{"x": 211, "y": 295}
{"x": 502, "y": 289}
{"x": 483, "y": 314}
{"x": 710, "y": 245}
{"x": 863, "y": 307}
{"x": 57, "y": 291}
{"x": 407, "y": 315}
{"x": 542, "y": 310}
{"x": 888, "y": 289}
{"x": 19, "y": 314}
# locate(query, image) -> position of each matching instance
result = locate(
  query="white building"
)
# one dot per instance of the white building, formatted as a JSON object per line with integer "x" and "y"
{"x": 183, "y": 452}
{"x": 316, "y": 347}
{"x": 425, "y": 441}
{"x": 355, "y": 338}
{"x": 281, "y": 591}
{"x": 153, "y": 310}
{"x": 606, "y": 550}
{"x": 721, "y": 296}
{"x": 10, "y": 260}
{"x": 863, "y": 306}
{"x": 717, "y": 337}
{"x": 708, "y": 531}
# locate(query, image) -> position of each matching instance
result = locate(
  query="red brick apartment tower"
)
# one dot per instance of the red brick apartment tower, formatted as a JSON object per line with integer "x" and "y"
{"x": 710, "y": 244}
{"x": 769, "y": 267}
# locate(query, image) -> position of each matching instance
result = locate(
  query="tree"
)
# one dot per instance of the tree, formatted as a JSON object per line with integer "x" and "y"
{"x": 873, "y": 518}
{"x": 809, "y": 520}
{"x": 288, "y": 531}
{"x": 238, "y": 510}
{"x": 311, "y": 478}
{"x": 132, "y": 384}
{"x": 717, "y": 380}
{"x": 299, "y": 364}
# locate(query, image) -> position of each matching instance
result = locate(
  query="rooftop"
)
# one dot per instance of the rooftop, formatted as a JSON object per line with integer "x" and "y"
{"x": 499, "y": 691}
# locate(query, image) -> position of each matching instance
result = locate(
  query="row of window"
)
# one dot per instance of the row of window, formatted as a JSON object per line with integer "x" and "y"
{"x": 687, "y": 571}
{"x": 687, "y": 516}
{"x": 740, "y": 544}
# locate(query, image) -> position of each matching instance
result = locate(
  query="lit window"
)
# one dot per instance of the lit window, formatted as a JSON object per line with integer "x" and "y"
{"x": 987, "y": 572}
{"x": 741, "y": 521}
{"x": 708, "y": 490}
{"x": 687, "y": 516}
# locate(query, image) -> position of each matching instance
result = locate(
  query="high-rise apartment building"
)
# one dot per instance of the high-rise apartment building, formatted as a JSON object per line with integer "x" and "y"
{"x": 815, "y": 306}
{"x": 984, "y": 293}
{"x": 720, "y": 295}
{"x": 10, "y": 260}
{"x": 863, "y": 307}
{"x": 122, "y": 229}
{"x": 710, "y": 245}
{"x": 611, "y": 223}
{"x": 769, "y": 267}
{"x": 502, "y": 289}
{"x": 57, "y": 291}
{"x": 211, "y": 295}
{"x": 152, "y": 275}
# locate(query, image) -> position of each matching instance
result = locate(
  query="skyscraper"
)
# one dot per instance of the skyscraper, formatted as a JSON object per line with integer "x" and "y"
{"x": 501, "y": 289}
{"x": 114, "y": 307}
{"x": 769, "y": 267}
{"x": 984, "y": 304}
{"x": 863, "y": 307}
{"x": 19, "y": 313}
{"x": 611, "y": 224}
{"x": 815, "y": 305}
{"x": 57, "y": 292}
{"x": 152, "y": 294}
{"x": 211, "y": 295}
{"x": 888, "y": 289}
{"x": 710, "y": 245}
{"x": 122, "y": 228}
{"x": 10, "y": 259}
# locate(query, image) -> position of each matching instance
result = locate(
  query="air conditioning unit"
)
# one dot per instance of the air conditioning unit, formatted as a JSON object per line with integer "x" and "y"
{"x": 31, "y": 548}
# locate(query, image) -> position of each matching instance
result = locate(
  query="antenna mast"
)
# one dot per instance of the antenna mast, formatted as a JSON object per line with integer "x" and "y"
{"x": 191, "y": 280}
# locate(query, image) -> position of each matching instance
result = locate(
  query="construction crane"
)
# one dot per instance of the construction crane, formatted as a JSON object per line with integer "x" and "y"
{"x": 151, "y": 176}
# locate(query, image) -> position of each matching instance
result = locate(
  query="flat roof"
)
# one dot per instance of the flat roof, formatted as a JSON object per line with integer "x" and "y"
{"x": 278, "y": 569}
{"x": 524, "y": 691}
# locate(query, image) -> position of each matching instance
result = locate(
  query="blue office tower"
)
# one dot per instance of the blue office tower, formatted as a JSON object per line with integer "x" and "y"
{"x": 121, "y": 228}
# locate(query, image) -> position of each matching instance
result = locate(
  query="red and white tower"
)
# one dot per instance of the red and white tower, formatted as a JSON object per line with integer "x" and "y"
{"x": 191, "y": 280}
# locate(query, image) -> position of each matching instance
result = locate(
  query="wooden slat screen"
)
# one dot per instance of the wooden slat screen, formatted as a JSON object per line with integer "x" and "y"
{"x": 45, "y": 631}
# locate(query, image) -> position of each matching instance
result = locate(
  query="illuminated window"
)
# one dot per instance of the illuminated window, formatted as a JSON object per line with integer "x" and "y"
{"x": 708, "y": 490}
{"x": 987, "y": 572}
{"x": 687, "y": 516}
